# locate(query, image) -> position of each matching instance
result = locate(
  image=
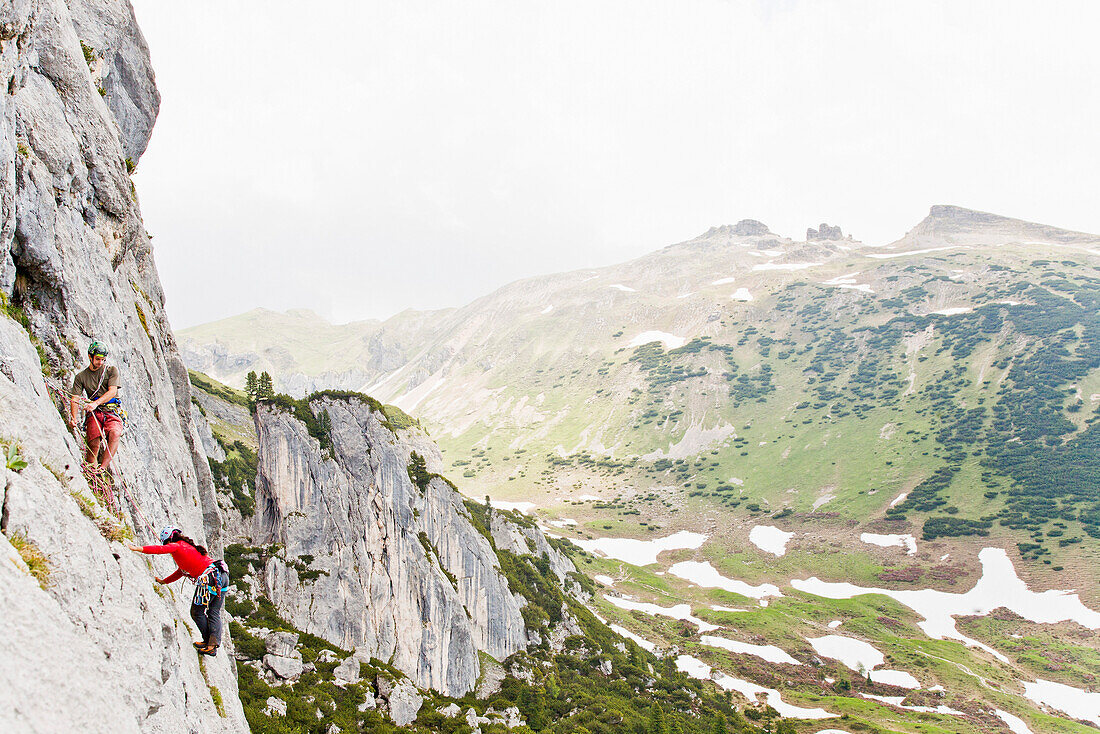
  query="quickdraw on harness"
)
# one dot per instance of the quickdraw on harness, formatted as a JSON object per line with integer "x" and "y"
{"x": 209, "y": 583}
{"x": 114, "y": 407}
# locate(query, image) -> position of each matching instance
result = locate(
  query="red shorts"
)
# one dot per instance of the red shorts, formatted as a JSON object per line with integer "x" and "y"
{"x": 110, "y": 423}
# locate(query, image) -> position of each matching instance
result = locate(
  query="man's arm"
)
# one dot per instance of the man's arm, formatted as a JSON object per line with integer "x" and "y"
{"x": 104, "y": 398}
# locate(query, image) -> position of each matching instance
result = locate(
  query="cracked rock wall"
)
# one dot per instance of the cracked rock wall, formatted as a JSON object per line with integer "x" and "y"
{"x": 101, "y": 648}
{"x": 410, "y": 579}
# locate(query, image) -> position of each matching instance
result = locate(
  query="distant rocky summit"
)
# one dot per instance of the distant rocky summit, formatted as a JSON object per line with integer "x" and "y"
{"x": 745, "y": 228}
{"x": 824, "y": 232}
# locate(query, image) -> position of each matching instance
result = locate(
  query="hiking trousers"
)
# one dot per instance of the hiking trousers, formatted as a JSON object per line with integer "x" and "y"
{"x": 206, "y": 607}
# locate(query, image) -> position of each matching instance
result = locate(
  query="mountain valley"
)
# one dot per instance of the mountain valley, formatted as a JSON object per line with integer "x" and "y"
{"x": 722, "y": 423}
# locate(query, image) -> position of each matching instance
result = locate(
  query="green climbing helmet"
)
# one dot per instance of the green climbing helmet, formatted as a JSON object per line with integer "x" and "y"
{"x": 97, "y": 348}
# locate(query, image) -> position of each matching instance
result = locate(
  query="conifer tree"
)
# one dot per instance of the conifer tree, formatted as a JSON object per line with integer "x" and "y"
{"x": 250, "y": 386}
{"x": 324, "y": 421}
{"x": 264, "y": 389}
{"x": 656, "y": 720}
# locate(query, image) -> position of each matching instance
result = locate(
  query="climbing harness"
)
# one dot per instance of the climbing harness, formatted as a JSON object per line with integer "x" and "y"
{"x": 209, "y": 583}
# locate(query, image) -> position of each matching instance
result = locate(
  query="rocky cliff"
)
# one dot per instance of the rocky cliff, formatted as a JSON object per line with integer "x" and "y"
{"x": 93, "y": 644}
{"x": 377, "y": 552}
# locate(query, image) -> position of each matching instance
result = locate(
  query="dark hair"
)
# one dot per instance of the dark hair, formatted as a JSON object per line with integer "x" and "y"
{"x": 177, "y": 535}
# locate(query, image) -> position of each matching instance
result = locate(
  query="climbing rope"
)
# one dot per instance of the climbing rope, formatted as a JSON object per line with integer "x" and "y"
{"x": 102, "y": 483}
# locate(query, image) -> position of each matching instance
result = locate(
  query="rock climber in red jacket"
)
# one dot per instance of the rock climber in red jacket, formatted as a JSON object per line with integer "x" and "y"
{"x": 211, "y": 579}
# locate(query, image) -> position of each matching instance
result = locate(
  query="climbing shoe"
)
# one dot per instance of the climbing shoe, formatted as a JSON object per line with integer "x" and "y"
{"x": 210, "y": 650}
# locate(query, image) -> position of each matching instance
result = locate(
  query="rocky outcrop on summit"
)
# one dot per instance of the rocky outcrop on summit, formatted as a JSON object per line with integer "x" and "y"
{"x": 99, "y": 647}
{"x": 405, "y": 574}
{"x": 824, "y": 233}
{"x": 744, "y": 228}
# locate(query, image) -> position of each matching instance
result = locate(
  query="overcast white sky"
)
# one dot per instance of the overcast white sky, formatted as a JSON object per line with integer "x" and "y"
{"x": 360, "y": 158}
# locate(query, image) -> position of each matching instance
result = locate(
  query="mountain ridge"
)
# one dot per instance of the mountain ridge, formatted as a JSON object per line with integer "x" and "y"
{"x": 751, "y": 235}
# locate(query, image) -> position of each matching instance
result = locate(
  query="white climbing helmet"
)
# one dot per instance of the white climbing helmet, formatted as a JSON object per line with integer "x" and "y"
{"x": 167, "y": 531}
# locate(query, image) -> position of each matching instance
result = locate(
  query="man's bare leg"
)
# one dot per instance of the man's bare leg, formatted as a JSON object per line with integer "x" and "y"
{"x": 112, "y": 444}
{"x": 91, "y": 453}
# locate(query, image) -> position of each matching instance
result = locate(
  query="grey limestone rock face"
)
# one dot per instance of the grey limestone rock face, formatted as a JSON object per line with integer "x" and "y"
{"x": 275, "y": 707}
{"x": 750, "y": 228}
{"x": 282, "y": 644}
{"x": 451, "y": 710}
{"x": 287, "y": 668}
{"x": 206, "y": 436}
{"x": 566, "y": 627}
{"x": 405, "y": 702}
{"x": 120, "y": 65}
{"x": 347, "y": 672}
{"x": 102, "y": 647}
{"x": 409, "y": 578}
{"x": 492, "y": 677}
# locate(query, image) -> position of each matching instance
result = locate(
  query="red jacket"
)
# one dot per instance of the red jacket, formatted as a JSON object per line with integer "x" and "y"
{"x": 186, "y": 556}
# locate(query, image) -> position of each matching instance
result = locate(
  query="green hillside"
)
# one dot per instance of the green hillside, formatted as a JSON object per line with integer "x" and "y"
{"x": 945, "y": 387}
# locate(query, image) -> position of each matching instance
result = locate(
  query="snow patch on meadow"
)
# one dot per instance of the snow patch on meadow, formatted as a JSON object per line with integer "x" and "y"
{"x": 641, "y": 552}
{"x": 696, "y": 668}
{"x": 1014, "y": 723}
{"x": 771, "y": 653}
{"x": 885, "y": 541}
{"x": 897, "y": 701}
{"x": 670, "y": 341}
{"x": 1073, "y": 701}
{"x": 861, "y": 657}
{"x": 705, "y": 575}
{"x": 770, "y": 538}
{"x": 523, "y": 507}
{"x": 676, "y": 611}
{"x": 889, "y": 255}
{"x": 624, "y": 632}
{"x": 999, "y": 586}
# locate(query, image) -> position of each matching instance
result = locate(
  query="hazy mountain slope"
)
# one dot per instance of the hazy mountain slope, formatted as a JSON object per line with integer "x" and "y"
{"x": 551, "y": 371}
{"x": 306, "y": 352}
{"x": 935, "y": 396}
